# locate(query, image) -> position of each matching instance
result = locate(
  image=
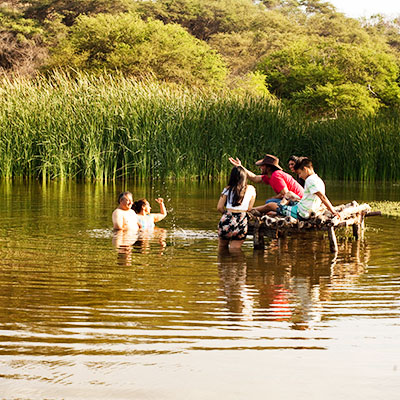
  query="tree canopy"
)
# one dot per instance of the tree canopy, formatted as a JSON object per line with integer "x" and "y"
{"x": 125, "y": 42}
{"x": 301, "y": 52}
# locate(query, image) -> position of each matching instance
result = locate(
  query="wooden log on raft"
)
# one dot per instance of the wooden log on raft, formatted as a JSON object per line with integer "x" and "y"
{"x": 350, "y": 211}
{"x": 322, "y": 219}
{"x": 373, "y": 214}
{"x": 291, "y": 222}
{"x": 351, "y": 214}
{"x": 269, "y": 221}
{"x": 337, "y": 223}
{"x": 280, "y": 222}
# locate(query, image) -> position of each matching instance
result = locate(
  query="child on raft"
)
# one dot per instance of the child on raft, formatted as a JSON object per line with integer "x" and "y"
{"x": 314, "y": 195}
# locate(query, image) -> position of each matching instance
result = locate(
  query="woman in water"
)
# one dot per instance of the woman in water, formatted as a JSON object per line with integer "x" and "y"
{"x": 236, "y": 199}
{"x": 145, "y": 218}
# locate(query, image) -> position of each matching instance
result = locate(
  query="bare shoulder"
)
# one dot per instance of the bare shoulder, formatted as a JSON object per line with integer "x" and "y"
{"x": 117, "y": 212}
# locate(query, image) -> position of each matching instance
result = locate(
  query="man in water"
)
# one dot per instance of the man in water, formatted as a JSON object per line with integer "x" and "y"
{"x": 123, "y": 217}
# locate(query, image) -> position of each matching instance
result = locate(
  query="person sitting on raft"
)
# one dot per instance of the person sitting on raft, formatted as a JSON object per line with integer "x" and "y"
{"x": 291, "y": 163}
{"x": 236, "y": 199}
{"x": 123, "y": 217}
{"x": 272, "y": 175}
{"x": 314, "y": 195}
{"x": 147, "y": 219}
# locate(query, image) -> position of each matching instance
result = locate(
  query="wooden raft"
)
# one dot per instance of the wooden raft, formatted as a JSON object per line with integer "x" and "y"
{"x": 352, "y": 214}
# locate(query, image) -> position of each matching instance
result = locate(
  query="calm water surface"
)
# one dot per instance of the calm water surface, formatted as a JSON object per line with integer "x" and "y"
{"x": 85, "y": 314}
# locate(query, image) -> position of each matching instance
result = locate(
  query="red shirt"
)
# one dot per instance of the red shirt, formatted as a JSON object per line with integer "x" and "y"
{"x": 279, "y": 180}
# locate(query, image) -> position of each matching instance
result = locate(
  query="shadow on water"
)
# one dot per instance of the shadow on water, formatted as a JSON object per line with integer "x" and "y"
{"x": 289, "y": 281}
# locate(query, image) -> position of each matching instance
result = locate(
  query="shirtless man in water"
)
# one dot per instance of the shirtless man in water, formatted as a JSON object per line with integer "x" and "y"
{"x": 123, "y": 217}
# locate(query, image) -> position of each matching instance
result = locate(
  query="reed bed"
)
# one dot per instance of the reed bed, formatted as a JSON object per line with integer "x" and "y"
{"x": 103, "y": 128}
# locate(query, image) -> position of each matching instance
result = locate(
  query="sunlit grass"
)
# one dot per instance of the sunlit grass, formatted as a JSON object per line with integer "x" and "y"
{"x": 388, "y": 208}
{"x": 102, "y": 128}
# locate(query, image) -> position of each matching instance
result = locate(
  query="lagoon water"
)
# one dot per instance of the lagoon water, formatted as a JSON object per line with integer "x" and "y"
{"x": 85, "y": 314}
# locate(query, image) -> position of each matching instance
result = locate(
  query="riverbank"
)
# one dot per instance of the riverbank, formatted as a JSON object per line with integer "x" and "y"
{"x": 110, "y": 127}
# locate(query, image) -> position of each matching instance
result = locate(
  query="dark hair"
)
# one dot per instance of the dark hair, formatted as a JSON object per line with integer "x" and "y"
{"x": 237, "y": 186}
{"x": 271, "y": 168}
{"x": 138, "y": 205}
{"x": 303, "y": 162}
{"x": 293, "y": 158}
{"x": 123, "y": 194}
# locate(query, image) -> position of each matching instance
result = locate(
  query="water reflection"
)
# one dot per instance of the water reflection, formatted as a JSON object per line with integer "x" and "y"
{"x": 290, "y": 281}
{"x": 88, "y": 314}
{"x": 232, "y": 269}
{"x": 147, "y": 241}
{"x": 152, "y": 241}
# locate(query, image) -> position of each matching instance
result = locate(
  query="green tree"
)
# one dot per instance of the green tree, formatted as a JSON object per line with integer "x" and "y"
{"x": 22, "y": 43}
{"x": 135, "y": 47}
{"x": 70, "y": 10}
{"x": 205, "y": 18}
{"x": 308, "y": 68}
{"x": 244, "y": 50}
{"x": 252, "y": 84}
{"x": 379, "y": 26}
{"x": 333, "y": 100}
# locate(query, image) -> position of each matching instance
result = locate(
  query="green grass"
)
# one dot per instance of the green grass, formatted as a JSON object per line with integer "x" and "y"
{"x": 388, "y": 208}
{"x": 102, "y": 128}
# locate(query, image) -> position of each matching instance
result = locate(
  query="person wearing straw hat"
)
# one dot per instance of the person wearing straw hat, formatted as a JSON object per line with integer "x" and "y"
{"x": 272, "y": 175}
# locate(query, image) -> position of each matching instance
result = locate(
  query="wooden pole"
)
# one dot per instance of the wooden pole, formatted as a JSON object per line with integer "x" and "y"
{"x": 356, "y": 230}
{"x": 258, "y": 236}
{"x": 362, "y": 227}
{"x": 332, "y": 240}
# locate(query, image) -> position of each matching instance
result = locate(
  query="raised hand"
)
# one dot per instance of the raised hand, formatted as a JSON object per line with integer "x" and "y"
{"x": 235, "y": 161}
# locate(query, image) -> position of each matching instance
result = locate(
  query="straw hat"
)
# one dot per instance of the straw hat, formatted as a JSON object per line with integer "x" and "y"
{"x": 269, "y": 160}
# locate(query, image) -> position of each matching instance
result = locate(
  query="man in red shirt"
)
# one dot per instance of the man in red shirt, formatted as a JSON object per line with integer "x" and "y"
{"x": 272, "y": 175}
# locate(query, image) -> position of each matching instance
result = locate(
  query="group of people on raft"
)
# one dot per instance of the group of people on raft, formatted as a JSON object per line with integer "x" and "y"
{"x": 296, "y": 196}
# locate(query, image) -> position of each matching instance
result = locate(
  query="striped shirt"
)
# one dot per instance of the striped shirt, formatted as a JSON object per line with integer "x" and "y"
{"x": 310, "y": 201}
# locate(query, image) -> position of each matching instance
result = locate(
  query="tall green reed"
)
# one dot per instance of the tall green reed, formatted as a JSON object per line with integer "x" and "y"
{"x": 102, "y": 128}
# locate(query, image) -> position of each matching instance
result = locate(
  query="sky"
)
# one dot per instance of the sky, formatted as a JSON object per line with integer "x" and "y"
{"x": 366, "y": 8}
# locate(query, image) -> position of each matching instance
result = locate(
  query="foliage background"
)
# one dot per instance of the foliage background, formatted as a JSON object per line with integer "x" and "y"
{"x": 310, "y": 80}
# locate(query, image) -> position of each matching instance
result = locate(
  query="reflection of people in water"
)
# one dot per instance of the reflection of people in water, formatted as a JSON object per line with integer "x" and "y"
{"x": 232, "y": 272}
{"x": 123, "y": 217}
{"x": 147, "y": 219}
{"x": 146, "y": 237}
{"x": 129, "y": 242}
{"x": 294, "y": 282}
{"x": 288, "y": 282}
{"x": 123, "y": 240}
